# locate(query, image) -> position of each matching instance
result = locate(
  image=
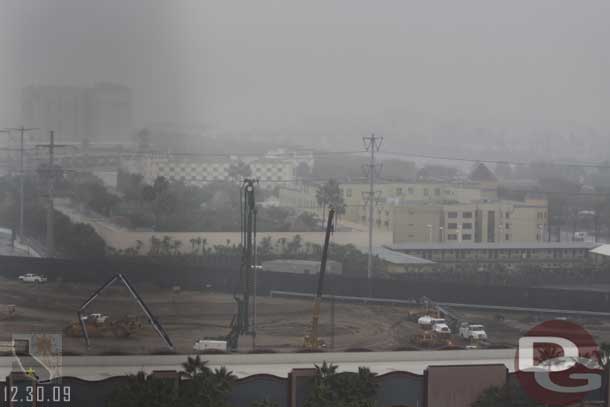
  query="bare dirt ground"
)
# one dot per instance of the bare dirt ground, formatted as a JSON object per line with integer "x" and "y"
{"x": 191, "y": 315}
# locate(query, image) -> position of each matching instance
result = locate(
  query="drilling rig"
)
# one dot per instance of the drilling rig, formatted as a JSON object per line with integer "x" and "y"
{"x": 312, "y": 341}
{"x": 240, "y": 324}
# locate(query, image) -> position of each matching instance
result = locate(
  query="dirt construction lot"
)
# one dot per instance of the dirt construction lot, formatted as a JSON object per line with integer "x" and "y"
{"x": 190, "y": 315}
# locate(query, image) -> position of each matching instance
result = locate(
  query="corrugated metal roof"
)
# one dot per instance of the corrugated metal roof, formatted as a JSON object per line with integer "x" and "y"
{"x": 398, "y": 258}
{"x": 603, "y": 250}
{"x": 483, "y": 246}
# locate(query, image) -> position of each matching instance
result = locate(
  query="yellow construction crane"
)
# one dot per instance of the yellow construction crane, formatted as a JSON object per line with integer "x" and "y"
{"x": 312, "y": 341}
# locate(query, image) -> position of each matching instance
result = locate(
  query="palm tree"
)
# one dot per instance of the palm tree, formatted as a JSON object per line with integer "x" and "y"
{"x": 141, "y": 390}
{"x": 265, "y": 248}
{"x": 176, "y": 247}
{"x": 155, "y": 246}
{"x": 322, "y": 199}
{"x": 139, "y": 245}
{"x": 342, "y": 389}
{"x": 206, "y": 388}
{"x": 195, "y": 366}
{"x": 294, "y": 246}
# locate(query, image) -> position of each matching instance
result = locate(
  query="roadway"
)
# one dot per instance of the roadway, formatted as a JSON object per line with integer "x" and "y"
{"x": 279, "y": 364}
{"x": 7, "y": 249}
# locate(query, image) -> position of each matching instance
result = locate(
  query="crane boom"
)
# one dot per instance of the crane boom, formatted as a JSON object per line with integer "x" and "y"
{"x": 312, "y": 341}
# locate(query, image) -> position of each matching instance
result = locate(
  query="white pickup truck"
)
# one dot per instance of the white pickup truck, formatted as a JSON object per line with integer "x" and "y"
{"x": 474, "y": 332}
{"x": 32, "y": 278}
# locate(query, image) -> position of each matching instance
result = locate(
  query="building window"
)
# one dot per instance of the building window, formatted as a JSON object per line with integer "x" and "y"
{"x": 467, "y": 225}
{"x": 507, "y": 226}
{"x": 451, "y": 236}
{"x": 467, "y": 237}
{"x": 467, "y": 215}
{"x": 452, "y": 215}
{"x": 507, "y": 215}
{"x": 437, "y": 191}
{"x": 410, "y": 190}
{"x": 398, "y": 191}
{"x": 452, "y": 226}
{"x": 507, "y": 237}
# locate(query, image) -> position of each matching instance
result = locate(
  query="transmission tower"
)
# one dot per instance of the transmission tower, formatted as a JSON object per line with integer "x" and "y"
{"x": 372, "y": 145}
{"x": 52, "y": 172}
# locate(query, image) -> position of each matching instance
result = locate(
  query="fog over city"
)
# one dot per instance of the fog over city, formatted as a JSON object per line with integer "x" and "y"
{"x": 319, "y": 71}
{"x": 312, "y": 203}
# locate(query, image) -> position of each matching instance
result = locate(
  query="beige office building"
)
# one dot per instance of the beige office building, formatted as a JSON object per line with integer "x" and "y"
{"x": 478, "y": 222}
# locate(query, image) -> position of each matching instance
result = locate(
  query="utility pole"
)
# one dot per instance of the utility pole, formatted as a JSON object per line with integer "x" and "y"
{"x": 22, "y": 131}
{"x": 372, "y": 145}
{"x": 51, "y": 181}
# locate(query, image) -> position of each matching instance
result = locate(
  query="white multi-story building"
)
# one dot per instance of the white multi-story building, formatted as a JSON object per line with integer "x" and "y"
{"x": 270, "y": 172}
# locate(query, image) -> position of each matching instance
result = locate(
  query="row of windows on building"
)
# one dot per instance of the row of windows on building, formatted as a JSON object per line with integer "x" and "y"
{"x": 410, "y": 191}
{"x": 503, "y": 253}
{"x": 221, "y": 168}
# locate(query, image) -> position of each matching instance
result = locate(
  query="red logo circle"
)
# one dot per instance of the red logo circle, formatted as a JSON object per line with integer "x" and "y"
{"x": 557, "y": 363}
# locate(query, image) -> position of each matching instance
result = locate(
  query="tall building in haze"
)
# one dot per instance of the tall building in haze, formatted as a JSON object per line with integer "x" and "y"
{"x": 98, "y": 115}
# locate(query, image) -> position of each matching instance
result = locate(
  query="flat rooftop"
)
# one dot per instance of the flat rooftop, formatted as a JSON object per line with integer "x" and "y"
{"x": 490, "y": 246}
{"x": 393, "y": 257}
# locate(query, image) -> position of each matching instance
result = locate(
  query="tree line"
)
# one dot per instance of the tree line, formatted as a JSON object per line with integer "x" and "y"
{"x": 200, "y": 386}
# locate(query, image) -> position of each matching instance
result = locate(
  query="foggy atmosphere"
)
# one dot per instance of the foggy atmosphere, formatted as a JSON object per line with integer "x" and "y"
{"x": 304, "y": 203}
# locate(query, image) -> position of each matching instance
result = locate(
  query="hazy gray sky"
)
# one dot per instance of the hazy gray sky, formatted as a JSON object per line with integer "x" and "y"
{"x": 285, "y": 65}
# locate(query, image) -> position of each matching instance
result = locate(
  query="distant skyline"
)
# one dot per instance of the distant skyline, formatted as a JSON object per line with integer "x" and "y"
{"x": 322, "y": 67}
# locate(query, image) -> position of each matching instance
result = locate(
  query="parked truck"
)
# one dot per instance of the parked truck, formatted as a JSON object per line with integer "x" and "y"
{"x": 203, "y": 345}
{"x": 473, "y": 332}
{"x": 32, "y": 278}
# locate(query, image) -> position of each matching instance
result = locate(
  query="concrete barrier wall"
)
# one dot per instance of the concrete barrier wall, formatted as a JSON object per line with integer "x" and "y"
{"x": 222, "y": 272}
{"x": 440, "y": 386}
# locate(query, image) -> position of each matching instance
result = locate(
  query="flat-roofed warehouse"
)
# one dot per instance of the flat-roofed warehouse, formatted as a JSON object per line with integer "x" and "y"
{"x": 542, "y": 254}
{"x": 302, "y": 266}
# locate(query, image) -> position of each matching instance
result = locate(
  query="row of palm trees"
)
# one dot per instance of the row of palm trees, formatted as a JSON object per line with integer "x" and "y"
{"x": 200, "y": 386}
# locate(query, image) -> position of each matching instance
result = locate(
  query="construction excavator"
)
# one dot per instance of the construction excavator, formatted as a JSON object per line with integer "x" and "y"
{"x": 312, "y": 340}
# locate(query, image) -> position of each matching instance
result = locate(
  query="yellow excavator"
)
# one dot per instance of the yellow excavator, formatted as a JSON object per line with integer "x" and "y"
{"x": 312, "y": 341}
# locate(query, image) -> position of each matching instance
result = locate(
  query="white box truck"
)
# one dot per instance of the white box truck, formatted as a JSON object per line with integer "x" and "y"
{"x": 203, "y": 345}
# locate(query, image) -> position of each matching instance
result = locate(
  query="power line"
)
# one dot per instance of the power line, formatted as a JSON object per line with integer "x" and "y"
{"x": 510, "y": 162}
{"x": 241, "y": 154}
